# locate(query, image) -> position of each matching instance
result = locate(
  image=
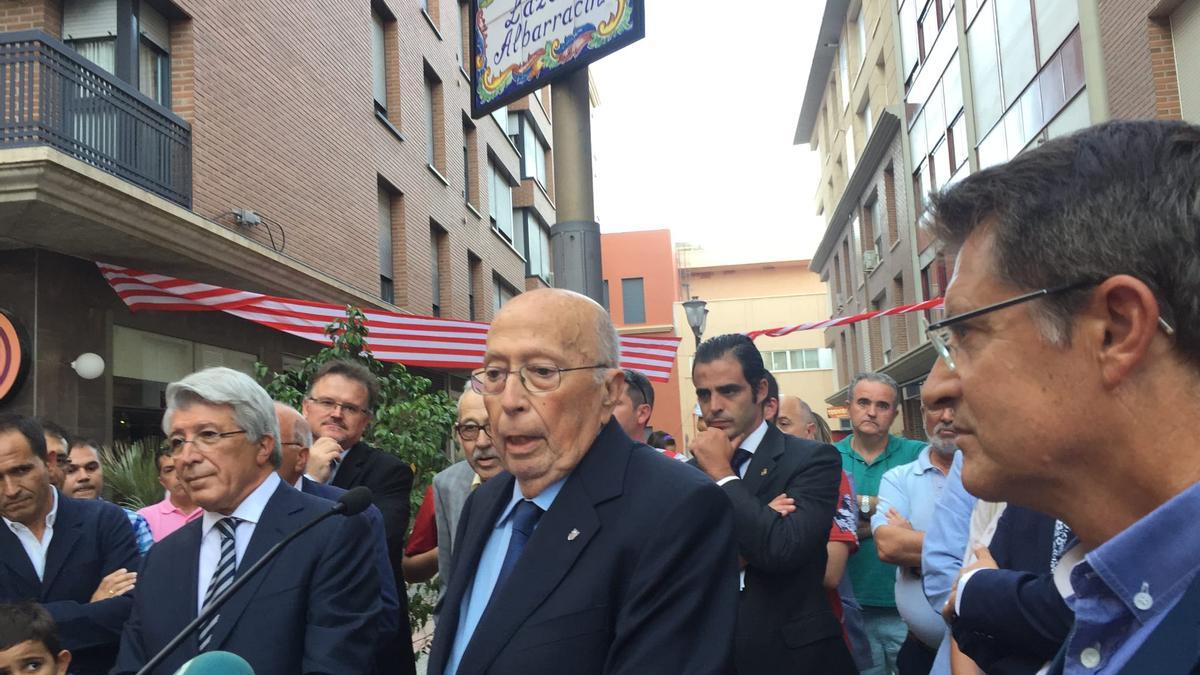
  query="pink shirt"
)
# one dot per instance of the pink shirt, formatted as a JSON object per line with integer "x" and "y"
{"x": 164, "y": 518}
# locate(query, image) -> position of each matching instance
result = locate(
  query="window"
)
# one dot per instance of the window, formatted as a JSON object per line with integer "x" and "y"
{"x": 885, "y": 331}
{"x": 606, "y": 295}
{"x": 474, "y": 272}
{"x": 1018, "y": 60}
{"x": 501, "y": 293}
{"x": 387, "y": 286}
{"x": 437, "y": 246}
{"x": 435, "y": 150}
{"x": 861, "y": 25}
{"x": 501, "y": 116}
{"x": 500, "y": 202}
{"x": 799, "y": 359}
{"x": 985, "y": 71}
{"x": 843, "y": 74}
{"x": 378, "y": 62}
{"x": 537, "y": 246}
{"x": 633, "y": 300}
{"x": 154, "y": 75}
{"x": 877, "y": 222}
{"x": 90, "y": 28}
{"x": 910, "y": 44}
{"x": 1055, "y": 21}
{"x": 469, "y": 190}
{"x": 533, "y": 148}
{"x": 464, "y": 38}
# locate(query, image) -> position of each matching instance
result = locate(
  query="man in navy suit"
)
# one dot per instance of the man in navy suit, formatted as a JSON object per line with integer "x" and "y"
{"x": 594, "y": 553}
{"x": 1071, "y": 355}
{"x": 72, "y": 556}
{"x": 296, "y": 439}
{"x": 313, "y": 609}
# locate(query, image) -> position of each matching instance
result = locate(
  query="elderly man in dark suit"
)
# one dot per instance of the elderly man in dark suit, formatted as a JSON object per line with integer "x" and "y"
{"x": 75, "y": 557}
{"x": 312, "y": 610}
{"x": 784, "y": 620}
{"x": 339, "y": 406}
{"x": 593, "y": 554}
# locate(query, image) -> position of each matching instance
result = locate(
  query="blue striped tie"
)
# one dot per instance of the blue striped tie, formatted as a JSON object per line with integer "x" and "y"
{"x": 222, "y": 577}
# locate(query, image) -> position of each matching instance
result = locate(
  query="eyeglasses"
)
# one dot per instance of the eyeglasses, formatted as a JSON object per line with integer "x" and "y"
{"x": 470, "y": 431}
{"x": 942, "y": 335}
{"x": 537, "y": 378}
{"x": 204, "y": 440}
{"x": 326, "y": 405}
{"x": 641, "y": 391}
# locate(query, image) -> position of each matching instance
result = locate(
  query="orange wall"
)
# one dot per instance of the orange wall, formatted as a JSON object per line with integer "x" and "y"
{"x": 651, "y": 256}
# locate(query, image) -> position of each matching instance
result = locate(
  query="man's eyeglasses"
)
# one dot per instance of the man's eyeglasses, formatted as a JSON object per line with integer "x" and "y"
{"x": 537, "y": 378}
{"x": 205, "y": 440}
{"x": 327, "y": 405}
{"x": 469, "y": 431}
{"x": 941, "y": 333}
{"x": 645, "y": 398}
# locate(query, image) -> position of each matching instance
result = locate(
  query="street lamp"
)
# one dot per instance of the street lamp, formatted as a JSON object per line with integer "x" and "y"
{"x": 696, "y": 316}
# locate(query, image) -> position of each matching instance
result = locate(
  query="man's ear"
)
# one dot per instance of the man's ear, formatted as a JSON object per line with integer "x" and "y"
{"x": 302, "y": 460}
{"x": 62, "y": 661}
{"x": 614, "y": 387}
{"x": 266, "y": 445}
{"x": 1123, "y": 320}
{"x": 644, "y": 412}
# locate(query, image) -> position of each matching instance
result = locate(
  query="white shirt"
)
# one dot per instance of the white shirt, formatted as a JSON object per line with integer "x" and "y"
{"x": 749, "y": 444}
{"x": 35, "y": 549}
{"x": 250, "y": 512}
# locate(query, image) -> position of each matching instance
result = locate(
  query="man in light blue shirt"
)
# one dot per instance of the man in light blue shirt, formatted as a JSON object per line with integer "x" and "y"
{"x": 945, "y": 545}
{"x": 908, "y": 495}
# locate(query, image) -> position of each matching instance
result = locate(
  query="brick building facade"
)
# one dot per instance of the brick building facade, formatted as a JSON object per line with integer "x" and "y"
{"x": 344, "y": 128}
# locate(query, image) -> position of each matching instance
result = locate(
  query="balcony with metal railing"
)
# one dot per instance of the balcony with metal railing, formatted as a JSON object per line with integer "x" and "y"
{"x": 52, "y": 96}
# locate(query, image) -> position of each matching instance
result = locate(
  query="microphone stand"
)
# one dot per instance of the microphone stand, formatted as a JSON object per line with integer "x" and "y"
{"x": 237, "y": 583}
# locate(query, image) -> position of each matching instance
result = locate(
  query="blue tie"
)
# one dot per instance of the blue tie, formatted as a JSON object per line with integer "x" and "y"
{"x": 740, "y": 457}
{"x": 223, "y": 575}
{"x": 525, "y": 518}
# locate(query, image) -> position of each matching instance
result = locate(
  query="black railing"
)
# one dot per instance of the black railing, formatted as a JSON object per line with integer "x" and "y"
{"x": 50, "y": 95}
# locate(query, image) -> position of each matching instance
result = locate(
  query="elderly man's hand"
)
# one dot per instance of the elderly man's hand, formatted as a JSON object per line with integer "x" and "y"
{"x": 324, "y": 450}
{"x": 983, "y": 560}
{"x": 783, "y": 504}
{"x": 713, "y": 451}
{"x": 118, "y": 582}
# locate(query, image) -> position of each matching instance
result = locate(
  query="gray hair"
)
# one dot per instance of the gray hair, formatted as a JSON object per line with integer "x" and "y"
{"x": 1116, "y": 198}
{"x": 252, "y": 406}
{"x": 301, "y": 429}
{"x": 882, "y": 378}
{"x": 608, "y": 344}
{"x": 823, "y": 432}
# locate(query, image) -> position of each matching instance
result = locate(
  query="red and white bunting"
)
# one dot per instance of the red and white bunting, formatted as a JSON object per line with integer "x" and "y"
{"x": 935, "y": 303}
{"x": 410, "y": 339}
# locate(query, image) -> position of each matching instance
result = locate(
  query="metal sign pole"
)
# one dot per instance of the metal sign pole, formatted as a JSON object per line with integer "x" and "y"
{"x": 575, "y": 238}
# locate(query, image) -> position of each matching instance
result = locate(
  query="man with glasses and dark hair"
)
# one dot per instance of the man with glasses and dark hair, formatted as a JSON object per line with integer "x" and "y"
{"x": 1071, "y": 354}
{"x": 868, "y": 453}
{"x": 338, "y": 407}
{"x": 592, "y": 554}
{"x": 314, "y": 609}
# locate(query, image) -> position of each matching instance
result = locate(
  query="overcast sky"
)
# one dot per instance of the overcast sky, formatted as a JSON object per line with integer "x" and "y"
{"x": 695, "y": 125}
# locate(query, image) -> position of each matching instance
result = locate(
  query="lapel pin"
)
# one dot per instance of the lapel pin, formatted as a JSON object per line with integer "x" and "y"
{"x": 764, "y": 472}
{"x": 572, "y": 534}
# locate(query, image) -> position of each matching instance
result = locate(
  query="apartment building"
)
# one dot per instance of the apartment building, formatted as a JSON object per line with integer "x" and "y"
{"x": 323, "y": 153}
{"x": 747, "y": 296}
{"x": 641, "y": 287}
{"x": 964, "y": 84}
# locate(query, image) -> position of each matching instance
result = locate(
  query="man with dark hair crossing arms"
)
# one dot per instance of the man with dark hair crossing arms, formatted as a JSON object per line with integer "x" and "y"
{"x": 784, "y": 623}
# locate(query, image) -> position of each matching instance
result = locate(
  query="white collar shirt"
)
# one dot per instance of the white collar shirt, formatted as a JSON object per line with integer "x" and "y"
{"x": 249, "y": 512}
{"x": 35, "y": 548}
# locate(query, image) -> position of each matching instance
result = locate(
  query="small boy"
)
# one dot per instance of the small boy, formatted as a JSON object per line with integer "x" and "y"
{"x": 29, "y": 642}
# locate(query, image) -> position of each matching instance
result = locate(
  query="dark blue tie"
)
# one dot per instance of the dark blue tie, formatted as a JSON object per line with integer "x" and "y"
{"x": 525, "y": 518}
{"x": 740, "y": 457}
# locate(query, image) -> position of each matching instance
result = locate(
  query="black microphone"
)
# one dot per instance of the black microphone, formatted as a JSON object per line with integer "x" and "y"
{"x": 352, "y": 502}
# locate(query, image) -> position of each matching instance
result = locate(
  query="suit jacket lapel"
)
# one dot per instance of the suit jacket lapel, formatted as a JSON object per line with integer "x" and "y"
{"x": 352, "y": 466}
{"x": 67, "y": 530}
{"x": 13, "y": 555}
{"x": 275, "y": 524}
{"x": 763, "y": 463}
{"x": 483, "y": 515}
{"x": 551, "y": 550}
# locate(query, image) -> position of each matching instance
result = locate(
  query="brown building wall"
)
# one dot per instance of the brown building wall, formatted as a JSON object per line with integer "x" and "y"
{"x": 1133, "y": 47}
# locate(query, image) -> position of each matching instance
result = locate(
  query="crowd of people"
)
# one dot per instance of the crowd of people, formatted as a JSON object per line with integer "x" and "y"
{"x": 1037, "y": 529}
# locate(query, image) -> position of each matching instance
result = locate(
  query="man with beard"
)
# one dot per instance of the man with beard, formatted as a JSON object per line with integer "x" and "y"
{"x": 908, "y": 496}
{"x": 446, "y": 496}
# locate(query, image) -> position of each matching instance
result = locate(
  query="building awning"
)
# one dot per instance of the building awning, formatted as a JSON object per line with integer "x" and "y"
{"x": 413, "y": 340}
{"x": 911, "y": 369}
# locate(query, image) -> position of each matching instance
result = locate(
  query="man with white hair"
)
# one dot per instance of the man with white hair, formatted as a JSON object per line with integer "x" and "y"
{"x": 313, "y": 610}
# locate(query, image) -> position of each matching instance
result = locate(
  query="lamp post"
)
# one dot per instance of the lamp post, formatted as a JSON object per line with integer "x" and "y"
{"x": 696, "y": 316}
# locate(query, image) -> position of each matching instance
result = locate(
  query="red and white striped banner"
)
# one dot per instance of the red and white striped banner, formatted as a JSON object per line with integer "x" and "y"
{"x": 935, "y": 303}
{"x": 402, "y": 338}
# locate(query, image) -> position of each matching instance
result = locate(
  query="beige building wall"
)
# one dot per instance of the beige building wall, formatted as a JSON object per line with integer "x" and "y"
{"x": 743, "y": 298}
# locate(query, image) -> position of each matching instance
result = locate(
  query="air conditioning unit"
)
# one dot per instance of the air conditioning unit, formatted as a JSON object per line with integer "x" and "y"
{"x": 870, "y": 260}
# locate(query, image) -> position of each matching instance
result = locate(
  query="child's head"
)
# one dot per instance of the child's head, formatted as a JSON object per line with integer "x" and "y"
{"x": 29, "y": 641}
